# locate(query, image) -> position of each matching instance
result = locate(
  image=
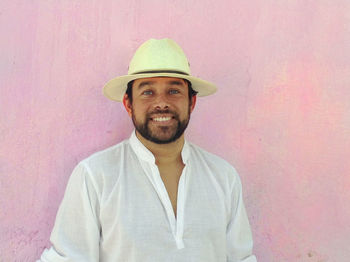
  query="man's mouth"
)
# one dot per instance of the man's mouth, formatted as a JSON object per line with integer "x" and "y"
{"x": 161, "y": 119}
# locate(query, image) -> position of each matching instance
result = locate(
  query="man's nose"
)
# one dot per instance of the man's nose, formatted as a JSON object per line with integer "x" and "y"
{"x": 161, "y": 102}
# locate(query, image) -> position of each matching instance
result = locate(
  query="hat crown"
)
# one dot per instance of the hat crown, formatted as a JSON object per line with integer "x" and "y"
{"x": 159, "y": 55}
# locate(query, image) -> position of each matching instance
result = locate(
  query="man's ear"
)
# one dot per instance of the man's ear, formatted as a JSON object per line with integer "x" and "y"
{"x": 193, "y": 102}
{"x": 127, "y": 104}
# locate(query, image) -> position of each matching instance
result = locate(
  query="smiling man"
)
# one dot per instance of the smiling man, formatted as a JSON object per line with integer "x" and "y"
{"x": 150, "y": 112}
{"x": 155, "y": 196}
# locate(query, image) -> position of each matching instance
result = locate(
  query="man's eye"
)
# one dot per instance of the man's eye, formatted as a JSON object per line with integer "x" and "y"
{"x": 173, "y": 91}
{"x": 147, "y": 92}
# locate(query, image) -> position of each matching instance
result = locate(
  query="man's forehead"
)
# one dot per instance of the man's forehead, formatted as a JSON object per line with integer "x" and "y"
{"x": 162, "y": 79}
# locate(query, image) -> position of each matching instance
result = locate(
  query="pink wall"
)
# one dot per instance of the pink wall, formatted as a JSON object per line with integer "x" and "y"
{"x": 281, "y": 115}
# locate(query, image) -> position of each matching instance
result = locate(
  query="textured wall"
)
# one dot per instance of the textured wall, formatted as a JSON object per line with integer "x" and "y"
{"x": 281, "y": 115}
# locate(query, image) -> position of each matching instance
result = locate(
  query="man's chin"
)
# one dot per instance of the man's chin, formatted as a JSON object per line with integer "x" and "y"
{"x": 161, "y": 134}
{"x": 162, "y": 139}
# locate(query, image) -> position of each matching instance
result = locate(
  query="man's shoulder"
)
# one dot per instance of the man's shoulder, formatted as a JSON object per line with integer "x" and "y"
{"x": 105, "y": 166}
{"x": 211, "y": 159}
{"x": 215, "y": 167}
{"x": 108, "y": 156}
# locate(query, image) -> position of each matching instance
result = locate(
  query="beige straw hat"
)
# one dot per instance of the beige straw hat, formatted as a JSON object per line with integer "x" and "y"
{"x": 156, "y": 58}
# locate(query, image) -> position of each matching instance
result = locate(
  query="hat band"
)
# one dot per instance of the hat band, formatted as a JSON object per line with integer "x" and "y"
{"x": 161, "y": 71}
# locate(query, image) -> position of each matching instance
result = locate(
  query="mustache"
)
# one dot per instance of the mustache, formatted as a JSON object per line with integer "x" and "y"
{"x": 164, "y": 111}
{"x": 159, "y": 111}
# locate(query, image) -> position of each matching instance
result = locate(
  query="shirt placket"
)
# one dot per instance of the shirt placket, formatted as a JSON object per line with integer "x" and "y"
{"x": 176, "y": 225}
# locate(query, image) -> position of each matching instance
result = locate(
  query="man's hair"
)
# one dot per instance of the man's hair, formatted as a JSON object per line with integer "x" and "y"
{"x": 191, "y": 92}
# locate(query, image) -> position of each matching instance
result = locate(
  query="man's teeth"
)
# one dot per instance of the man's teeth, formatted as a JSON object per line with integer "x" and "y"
{"x": 161, "y": 119}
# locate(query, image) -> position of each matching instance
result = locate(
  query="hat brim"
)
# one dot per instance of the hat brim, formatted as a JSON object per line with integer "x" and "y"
{"x": 115, "y": 88}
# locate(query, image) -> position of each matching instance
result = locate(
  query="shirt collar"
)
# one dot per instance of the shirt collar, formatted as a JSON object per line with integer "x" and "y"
{"x": 143, "y": 153}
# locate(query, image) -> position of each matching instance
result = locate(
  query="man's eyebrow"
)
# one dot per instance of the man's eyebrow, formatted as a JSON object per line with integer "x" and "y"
{"x": 176, "y": 82}
{"x": 145, "y": 83}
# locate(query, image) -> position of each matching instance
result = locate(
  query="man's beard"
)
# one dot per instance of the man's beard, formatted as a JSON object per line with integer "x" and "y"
{"x": 156, "y": 136}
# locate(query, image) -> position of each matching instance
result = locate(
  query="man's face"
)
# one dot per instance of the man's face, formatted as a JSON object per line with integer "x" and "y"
{"x": 160, "y": 108}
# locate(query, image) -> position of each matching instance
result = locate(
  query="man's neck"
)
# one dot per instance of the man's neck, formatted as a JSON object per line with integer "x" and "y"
{"x": 164, "y": 153}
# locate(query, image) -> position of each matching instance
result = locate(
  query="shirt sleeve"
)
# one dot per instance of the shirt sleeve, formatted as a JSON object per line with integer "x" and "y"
{"x": 76, "y": 233}
{"x": 238, "y": 234}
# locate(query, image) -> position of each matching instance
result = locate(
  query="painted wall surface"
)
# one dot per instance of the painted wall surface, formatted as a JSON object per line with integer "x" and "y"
{"x": 281, "y": 115}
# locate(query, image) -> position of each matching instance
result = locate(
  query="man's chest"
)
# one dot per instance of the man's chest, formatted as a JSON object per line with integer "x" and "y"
{"x": 137, "y": 210}
{"x": 170, "y": 177}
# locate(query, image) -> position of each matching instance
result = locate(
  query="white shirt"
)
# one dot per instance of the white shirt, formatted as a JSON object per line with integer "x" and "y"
{"x": 116, "y": 208}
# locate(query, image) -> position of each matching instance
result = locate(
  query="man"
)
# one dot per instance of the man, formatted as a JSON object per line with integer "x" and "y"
{"x": 154, "y": 197}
